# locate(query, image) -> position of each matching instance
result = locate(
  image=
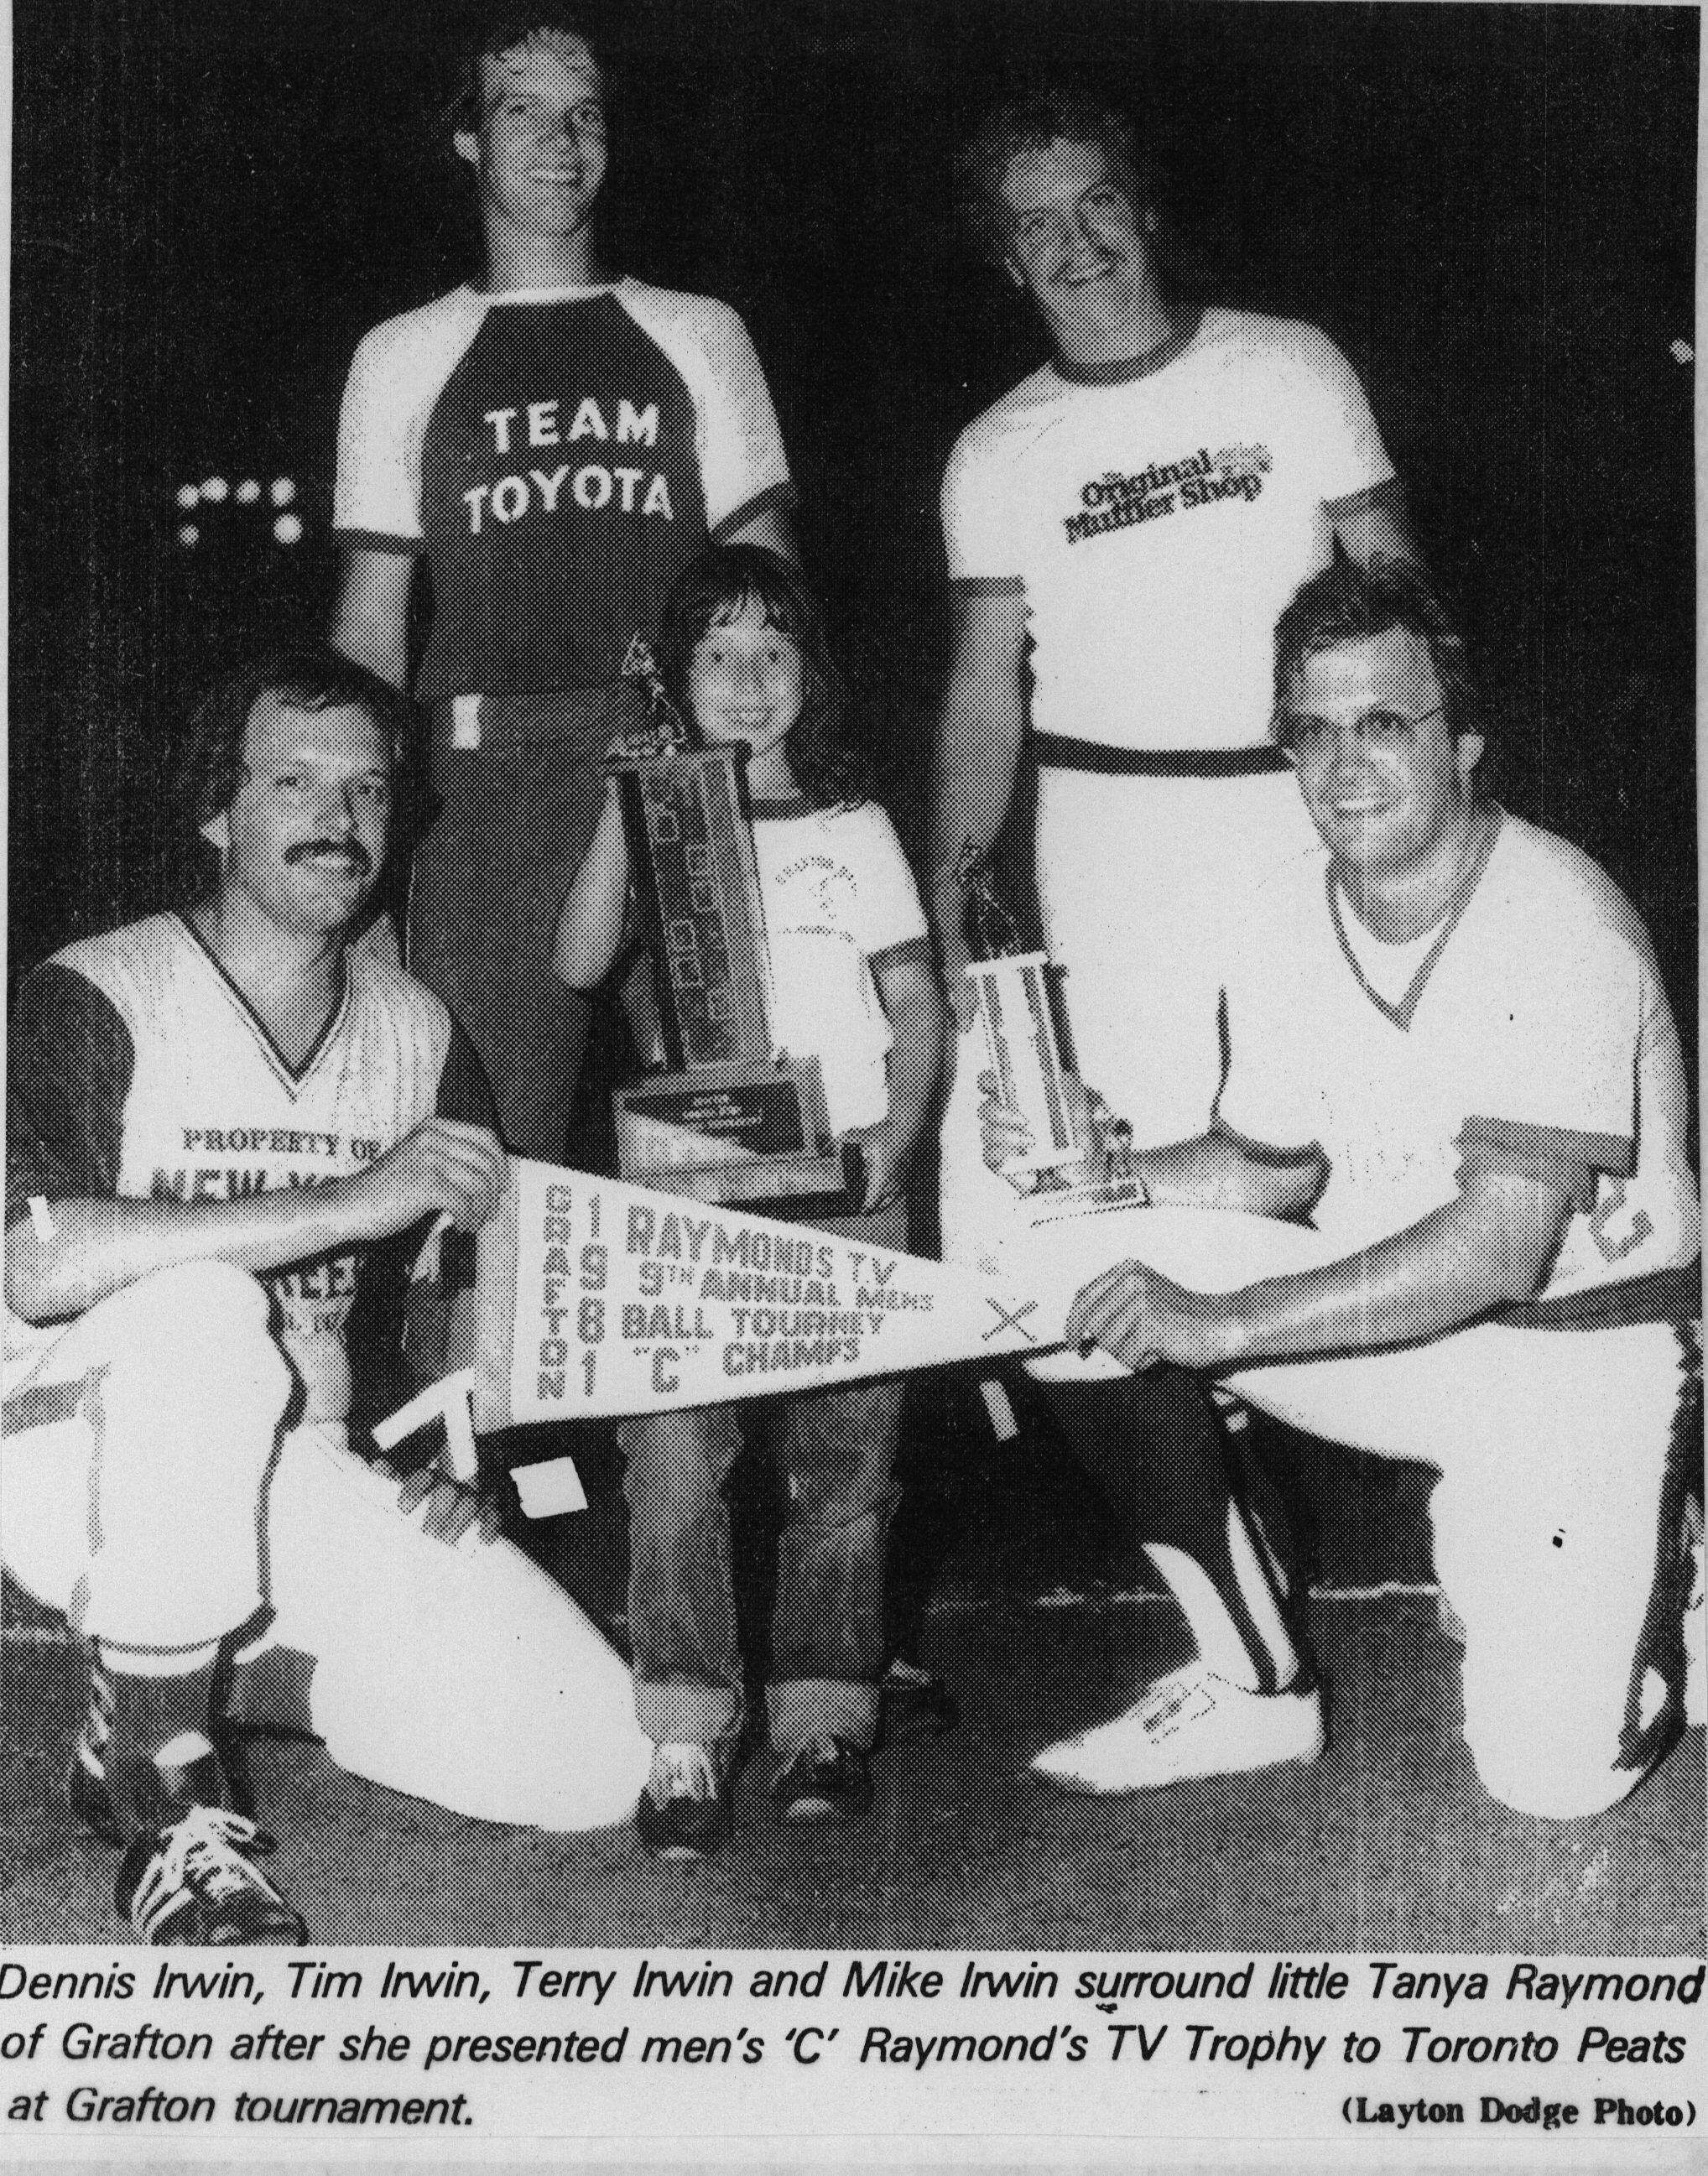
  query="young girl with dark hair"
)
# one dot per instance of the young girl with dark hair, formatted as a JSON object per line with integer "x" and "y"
{"x": 743, "y": 654}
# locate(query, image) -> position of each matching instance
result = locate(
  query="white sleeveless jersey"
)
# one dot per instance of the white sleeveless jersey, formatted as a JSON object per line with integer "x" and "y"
{"x": 137, "y": 1068}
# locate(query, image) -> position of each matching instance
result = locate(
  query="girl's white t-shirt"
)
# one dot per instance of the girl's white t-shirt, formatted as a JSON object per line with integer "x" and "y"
{"x": 838, "y": 896}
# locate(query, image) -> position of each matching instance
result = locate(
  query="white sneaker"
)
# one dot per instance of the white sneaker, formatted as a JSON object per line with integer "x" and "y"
{"x": 1189, "y": 1723}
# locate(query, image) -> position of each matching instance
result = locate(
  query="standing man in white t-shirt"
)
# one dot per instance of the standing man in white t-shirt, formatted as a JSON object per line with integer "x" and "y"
{"x": 1123, "y": 529}
{"x": 558, "y": 444}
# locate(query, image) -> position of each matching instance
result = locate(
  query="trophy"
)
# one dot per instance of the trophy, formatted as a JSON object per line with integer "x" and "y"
{"x": 727, "y": 1120}
{"x": 1012, "y": 986}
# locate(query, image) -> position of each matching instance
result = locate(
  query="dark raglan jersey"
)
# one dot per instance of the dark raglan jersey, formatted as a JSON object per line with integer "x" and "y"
{"x": 136, "y": 1069}
{"x": 559, "y": 456}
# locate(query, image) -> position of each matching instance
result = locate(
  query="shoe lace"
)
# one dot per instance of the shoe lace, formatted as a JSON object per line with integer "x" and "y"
{"x": 208, "y": 1850}
{"x": 1171, "y": 1696}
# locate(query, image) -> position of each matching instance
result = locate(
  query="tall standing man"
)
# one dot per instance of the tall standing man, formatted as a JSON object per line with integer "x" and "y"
{"x": 1122, "y": 530}
{"x": 557, "y": 443}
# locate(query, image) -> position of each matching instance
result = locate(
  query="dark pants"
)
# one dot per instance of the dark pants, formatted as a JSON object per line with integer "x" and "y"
{"x": 1156, "y": 1446}
{"x": 837, "y": 1448}
{"x": 516, "y": 816}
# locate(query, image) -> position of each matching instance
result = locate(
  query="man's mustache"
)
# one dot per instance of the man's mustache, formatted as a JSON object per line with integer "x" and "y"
{"x": 353, "y": 850}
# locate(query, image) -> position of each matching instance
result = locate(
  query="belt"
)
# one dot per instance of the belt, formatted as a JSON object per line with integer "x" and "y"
{"x": 506, "y": 724}
{"x": 1062, "y": 753}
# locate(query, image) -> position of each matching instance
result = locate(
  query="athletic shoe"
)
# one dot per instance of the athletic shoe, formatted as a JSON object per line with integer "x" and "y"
{"x": 1189, "y": 1723}
{"x": 684, "y": 1811}
{"x": 917, "y": 1704}
{"x": 195, "y": 1884}
{"x": 827, "y": 1780}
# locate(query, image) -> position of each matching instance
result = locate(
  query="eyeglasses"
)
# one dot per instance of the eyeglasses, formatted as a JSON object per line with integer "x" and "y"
{"x": 1380, "y": 732}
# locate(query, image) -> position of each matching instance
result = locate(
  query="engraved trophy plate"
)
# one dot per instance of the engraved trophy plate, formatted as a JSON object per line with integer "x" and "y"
{"x": 726, "y": 1121}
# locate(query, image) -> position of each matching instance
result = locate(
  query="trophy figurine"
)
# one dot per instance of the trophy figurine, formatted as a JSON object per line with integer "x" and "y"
{"x": 1012, "y": 986}
{"x": 728, "y": 1120}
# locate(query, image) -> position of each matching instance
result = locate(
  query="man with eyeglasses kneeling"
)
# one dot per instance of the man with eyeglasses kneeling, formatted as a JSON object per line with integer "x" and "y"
{"x": 1448, "y": 1048}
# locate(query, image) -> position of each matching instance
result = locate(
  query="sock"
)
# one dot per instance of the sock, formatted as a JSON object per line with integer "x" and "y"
{"x": 94, "y": 1738}
{"x": 159, "y": 1723}
{"x": 1156, "y": 1445}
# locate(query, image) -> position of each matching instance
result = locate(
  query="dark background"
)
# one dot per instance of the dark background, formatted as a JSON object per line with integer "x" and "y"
{"x": 1490, "y": 208}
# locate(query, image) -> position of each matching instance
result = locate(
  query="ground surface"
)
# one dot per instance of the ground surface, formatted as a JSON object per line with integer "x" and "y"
{"x": 1388, "y": 1845}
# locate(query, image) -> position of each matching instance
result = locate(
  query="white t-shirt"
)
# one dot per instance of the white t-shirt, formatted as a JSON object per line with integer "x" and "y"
{"x": 1535, "y": 1036}
{"x": 838, "y": 895}
{"x": 1158, "y": 527}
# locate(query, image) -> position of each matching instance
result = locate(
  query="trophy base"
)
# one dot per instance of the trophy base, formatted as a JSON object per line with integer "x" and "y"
{"x": 744, "y": 1136}
{"x": 816, "y": 1186}
{"x": 1062, "y": 1204}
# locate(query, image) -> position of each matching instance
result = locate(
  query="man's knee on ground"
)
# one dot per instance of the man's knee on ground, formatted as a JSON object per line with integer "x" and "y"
{"x": 1547, "y": 1760}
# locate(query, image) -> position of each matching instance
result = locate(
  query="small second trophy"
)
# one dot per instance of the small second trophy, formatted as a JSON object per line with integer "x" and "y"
{"x": 728, "y": 1120}
{"x": 1012, "y": 985}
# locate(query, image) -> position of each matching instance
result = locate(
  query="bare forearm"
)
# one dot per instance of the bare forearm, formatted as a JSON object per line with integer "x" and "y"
{"x": 1373, "y": 525}
{"x": 370, "y": 620}
{"x": 590, "y": 930}
{"x": 1453, "y": 1267}
{"x": 1490, "y": 1247}
{"x": 978, "y": 741}
{"x": 88, "y": 1249}
{"x": 919, "y": 1022}
{"x": 977, "y": 758}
